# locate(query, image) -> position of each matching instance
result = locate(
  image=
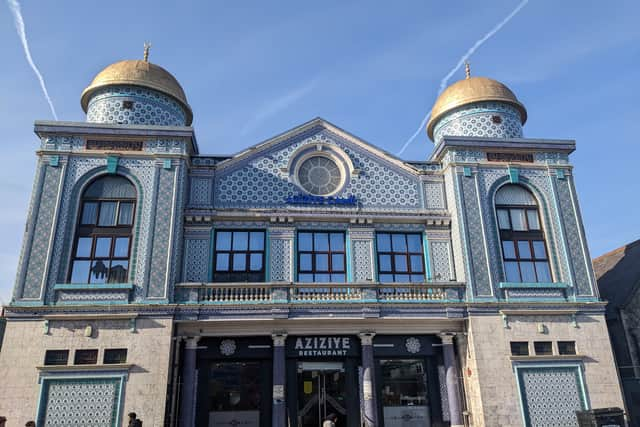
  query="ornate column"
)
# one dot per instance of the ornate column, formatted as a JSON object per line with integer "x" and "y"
{"x": 188, "y": 402}
{"x": 451, "y": 375}
{"x": 368, "y": 380}
{"x": 279, "y": 411}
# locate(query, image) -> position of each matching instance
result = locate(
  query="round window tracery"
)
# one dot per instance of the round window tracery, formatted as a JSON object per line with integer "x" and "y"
{"x": 319, "y": 175}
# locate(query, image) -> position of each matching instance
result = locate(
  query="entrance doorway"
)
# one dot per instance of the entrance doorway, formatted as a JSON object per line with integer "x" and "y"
{"x": 321, "y": 392}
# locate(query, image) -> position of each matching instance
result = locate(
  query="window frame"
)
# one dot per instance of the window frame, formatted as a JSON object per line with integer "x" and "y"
{"x": 230, "y": 272}
{"x": 95, "y": 231}
{"x": 407, "y": 254}
{"x": 329, "y": 253}
{"x": 529, "y": 236}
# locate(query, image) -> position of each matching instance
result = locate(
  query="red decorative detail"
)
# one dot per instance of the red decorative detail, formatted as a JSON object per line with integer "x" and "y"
{"x": 468, "y": 372}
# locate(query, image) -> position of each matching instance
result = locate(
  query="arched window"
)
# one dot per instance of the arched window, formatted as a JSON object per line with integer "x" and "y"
{"x": 524, "y": 251}
{"x": 103, "y": 239}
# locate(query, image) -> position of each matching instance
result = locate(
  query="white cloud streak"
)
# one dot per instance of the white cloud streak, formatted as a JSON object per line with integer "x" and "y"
{"x": 19, "y": 23}
{"x": 461, "y": 61}
{"x": 279, "y": 104}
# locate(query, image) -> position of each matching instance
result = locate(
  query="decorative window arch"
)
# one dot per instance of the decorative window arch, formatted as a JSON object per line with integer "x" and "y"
{"x": 524, "y": 251}
{"x": 102, "y": 245}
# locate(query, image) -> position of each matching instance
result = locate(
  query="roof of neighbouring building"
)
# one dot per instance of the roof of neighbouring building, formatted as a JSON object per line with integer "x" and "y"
{"x": 618, "y": 274}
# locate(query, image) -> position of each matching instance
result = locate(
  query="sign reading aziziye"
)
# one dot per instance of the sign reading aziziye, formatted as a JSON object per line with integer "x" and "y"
{"x": 322, "y": 346}
{"x": 306, "y": 199}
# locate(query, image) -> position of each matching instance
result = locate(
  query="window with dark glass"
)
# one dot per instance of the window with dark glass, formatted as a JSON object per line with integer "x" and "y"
{"x": 566, "y": 347}
{"x": 404, "y": 386}
{"x": 321, "y": 257}
{"x": 102, "y": 246}
{"x": 543, "y": 348}
{"x": 524, "y": 251}
{"x": 519, "y": 348}
{"x": 239, "y": 256}
{"x": 56, "y": 357}
{"x": 115, "y": 355}
{"x": 85, "y": 357}
{"x": 400, "y": 257}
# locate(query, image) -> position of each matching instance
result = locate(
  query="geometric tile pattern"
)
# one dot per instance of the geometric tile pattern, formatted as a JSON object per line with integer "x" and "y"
{"x": 259, "y": 181}
{"x": 200, "y": 193}
{"x": 444, "y": 397}
{"x": 149, "y": 107}
{"x": 196, "y": 254}
{"x": 440, "y": 261}
{"x": 478, "y": 120}
{"x": 362, "y": 262}
{"x": 551, "y": 396}
{"x": 80, "y": 402}
{"x": 281, "y": 260}
{"x": 434, "y": 195}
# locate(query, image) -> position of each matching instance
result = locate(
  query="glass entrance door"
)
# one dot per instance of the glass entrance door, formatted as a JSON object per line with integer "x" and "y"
{"x": 321, "y": 392}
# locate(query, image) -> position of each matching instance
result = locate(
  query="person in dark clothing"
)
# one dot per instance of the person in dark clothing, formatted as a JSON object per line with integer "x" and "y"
{"x": 330, "y": 421}
{"x": 30, "y": 424}
{"x": 133, "y": 420}
{"x": 3, "y": 420}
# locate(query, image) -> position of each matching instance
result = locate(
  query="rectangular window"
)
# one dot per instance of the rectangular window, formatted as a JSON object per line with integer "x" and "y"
{"x": 543, "y": 348}
{"x": 85, "y": 357}
{"x": 566, "y": 347}
{"x": 400, "y": 257}
{"x": 115, "y": 355}
{"x": 321, "y": 257}
{"x": 101, "y": 259}
{"x": 404, "y": 392}
{"x": 239, "y": 256}
{"x": 519, "y": 348}
{"x": 56, "y": 357}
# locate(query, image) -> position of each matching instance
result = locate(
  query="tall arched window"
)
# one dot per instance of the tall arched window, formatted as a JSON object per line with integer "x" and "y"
{"x": 103, "y": 239}
{"x": 524, "y": 251}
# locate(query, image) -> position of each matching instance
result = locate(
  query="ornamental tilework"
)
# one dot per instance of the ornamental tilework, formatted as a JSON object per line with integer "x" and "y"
{"x": 80, "y": 402}
{"x": 434, "y": 195}
{"x": 259, "y": 182}
{"x": 476, "y": 242}
{"x": 161, "y": 233}
{"x": 458, "y": 239}
{"x": 149, "y": 107}
{"x": 441, "y": 268}
{"x": 363, "y": 260}
{"x": 574, "y": 238}
{"x": 551, "y": 396}
{"x": 163, "y": 145}
{"x": 81, "y": 170}
{"x": 534, "y": 293}
{"x": 444, "y": 397}
{"x": 200, "y": 191}
{"x": 37, "y": 258}
{"x": 479, "y": 120}
{"x": 281, "y": 259}
{"x": 196, "y": 260}
{"x": 92, "y": 296}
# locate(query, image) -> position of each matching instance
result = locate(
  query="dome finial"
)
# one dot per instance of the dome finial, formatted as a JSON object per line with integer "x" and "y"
{"x": 147, "y": 46}
{"x": 467, "y": 69}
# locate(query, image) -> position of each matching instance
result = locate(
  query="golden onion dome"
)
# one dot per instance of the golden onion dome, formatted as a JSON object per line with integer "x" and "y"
{"x": 138, "y": 73}
{"x": 469, "y": 91}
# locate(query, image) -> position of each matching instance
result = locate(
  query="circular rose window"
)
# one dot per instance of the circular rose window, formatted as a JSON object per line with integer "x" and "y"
{"x": 319, "y": 175}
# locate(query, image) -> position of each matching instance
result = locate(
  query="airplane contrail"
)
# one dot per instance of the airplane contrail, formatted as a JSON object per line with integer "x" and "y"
{"x": 19, "y": 22}
{"x": 463, "y": 59}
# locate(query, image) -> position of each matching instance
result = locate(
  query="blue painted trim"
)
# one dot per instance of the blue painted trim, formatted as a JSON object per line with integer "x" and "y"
{"x": 532, "y": 285}
{"x": 294, "y": 262}
{"x": 349, "y": 260}
{"x": 91, "y": 302}
{"x": 427, "y": 256}
{"x": 560, "y": 173}
{"x": 112, "y": 164}
{"x": 54, "y": 161}
{"x": 27, "y": 303}
{"x": 159, "y": 301}
{"x": 514, "y": 175}
{"x": 92, "y": 287}
{"x": 166, "y": 164}
{"x": 466, "y": 171}
{"x": 267, "y": 255}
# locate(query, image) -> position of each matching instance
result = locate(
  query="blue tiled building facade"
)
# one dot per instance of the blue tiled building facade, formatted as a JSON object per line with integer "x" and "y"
{"x": 308, "y": 275}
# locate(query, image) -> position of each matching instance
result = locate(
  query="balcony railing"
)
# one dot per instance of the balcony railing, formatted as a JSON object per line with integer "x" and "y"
{"x": 318, "y": 293}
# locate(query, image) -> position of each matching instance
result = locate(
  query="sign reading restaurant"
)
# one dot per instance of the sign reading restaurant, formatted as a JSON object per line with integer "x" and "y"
{"x": 322, "y": 346}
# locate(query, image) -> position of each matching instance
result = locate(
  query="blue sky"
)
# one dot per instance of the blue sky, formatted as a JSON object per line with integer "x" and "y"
{"x": 254, "y": 69}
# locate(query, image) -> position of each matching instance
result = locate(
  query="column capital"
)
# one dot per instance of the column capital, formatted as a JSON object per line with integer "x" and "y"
{"x": 447, "y": 337}
{"x": 279, "y": 338}
{"x": 366, "y": 337}
{"x": 191, "y": 343}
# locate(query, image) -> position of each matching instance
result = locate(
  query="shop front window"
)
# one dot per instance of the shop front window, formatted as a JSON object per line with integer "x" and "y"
{"x": 404, "y": 393}
{"x": 235, "y": 393}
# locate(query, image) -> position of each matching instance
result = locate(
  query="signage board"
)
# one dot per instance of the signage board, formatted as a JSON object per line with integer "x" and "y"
{"x": 323, "y": 346}
{"x": 307, "y": 199}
